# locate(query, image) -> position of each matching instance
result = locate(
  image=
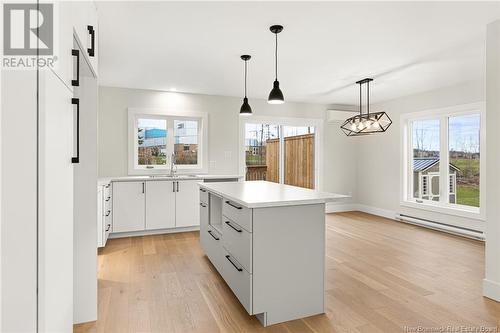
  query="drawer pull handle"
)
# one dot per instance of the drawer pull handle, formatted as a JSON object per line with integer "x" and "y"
{"x": 211, "y": 234}
{"x": 107, "y": 199}
{"x": 109, "y": 212}
{"x": 203, "y": 205}
{"x": 91, "y": 50}
{"x": 232, "y": 226}
{"x": 109, "y": 227}
{"x": 233, "y": 205}
{"x": 203, "y": 190}
{"x": 237, "y": 268}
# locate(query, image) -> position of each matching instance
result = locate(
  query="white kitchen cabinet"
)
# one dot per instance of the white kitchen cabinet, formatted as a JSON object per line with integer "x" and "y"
{"x": 187, "y": 213}
{"x": 55, "y": 238}
{"x": 72, "y": 22}
{"x": 104, "y": 213}
{"x": 129, "y": 206}
{"x": 160, "y": 204}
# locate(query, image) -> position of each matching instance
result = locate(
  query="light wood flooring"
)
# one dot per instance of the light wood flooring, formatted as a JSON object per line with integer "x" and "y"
{"x": 382, "y": 275}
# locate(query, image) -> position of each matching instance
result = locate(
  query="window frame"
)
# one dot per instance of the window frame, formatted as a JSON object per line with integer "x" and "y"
{"x": 282, "y": 122}
{"x": 169, "y": 115}
{"x": 442, "y": 206}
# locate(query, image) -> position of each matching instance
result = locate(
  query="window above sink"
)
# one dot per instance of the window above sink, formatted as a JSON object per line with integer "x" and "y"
{"x": 155, "y": 135}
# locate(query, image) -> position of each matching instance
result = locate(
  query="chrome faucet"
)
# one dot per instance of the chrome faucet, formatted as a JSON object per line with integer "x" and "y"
{"x": 173, "y": 165}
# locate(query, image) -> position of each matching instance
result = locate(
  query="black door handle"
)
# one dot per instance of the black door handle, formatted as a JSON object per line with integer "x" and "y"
{"x": 203, "y": 190}
{"x": 109, "y": 212}
{"x": 233, "y": 205}
{"x": 109, "y": 227}
{"x": 76, "y": 53}
{"x": 237, "y": 268}
{"x": 91, "y": 51}
{"x": 203, "y": 205}
{"x": 177, "y": 186}
{"x": 232, "y": 226}
{"x": 76, "y": 101}
{"x": 211, "y": 234}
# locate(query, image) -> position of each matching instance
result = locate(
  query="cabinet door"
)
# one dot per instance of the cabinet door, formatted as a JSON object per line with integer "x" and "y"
{"x": 160, "y": 205}
{"x": 204, "y": 216}
{"x": 55, "y": 246}
{"x": 187, "y": 201}
{"x": 128, "y": 206}
{"x": 65, "y": 61}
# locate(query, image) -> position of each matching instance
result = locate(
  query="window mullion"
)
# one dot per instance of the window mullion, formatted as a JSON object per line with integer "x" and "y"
{"x": 170, "y": 140}
{"x": 281, "y": 155}
{"x": 444, "y": 190}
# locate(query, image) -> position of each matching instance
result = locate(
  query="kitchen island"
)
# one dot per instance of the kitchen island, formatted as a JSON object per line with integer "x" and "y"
{"x": 267, "y": 241}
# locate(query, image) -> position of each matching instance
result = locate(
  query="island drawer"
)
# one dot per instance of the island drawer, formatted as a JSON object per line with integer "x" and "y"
{"x": 238, "y": 242}
{"x": 203, "y": 195}
{"x": 237, "y": 213}
{"x": 213, "y": 247}
{"x": 238, "y": 279}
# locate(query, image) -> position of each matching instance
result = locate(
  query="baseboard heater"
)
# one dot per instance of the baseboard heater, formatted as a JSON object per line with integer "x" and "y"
{"x": 460, "y": 231}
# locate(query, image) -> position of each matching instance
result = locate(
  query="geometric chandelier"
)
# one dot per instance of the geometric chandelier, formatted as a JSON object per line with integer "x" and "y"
{"x": 366, "y": 123}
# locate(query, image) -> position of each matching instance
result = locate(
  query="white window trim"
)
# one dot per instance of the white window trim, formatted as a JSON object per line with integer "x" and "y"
{"x": 406, "y": 167}
{"x": 286, "y": 121}
{"x": 168, "y": 114}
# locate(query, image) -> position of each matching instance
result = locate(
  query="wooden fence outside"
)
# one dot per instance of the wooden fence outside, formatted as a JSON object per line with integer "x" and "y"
{"x": 299, "y": 162}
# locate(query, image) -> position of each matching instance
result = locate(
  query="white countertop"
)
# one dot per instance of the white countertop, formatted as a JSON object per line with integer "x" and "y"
{"x": 105, "y": 180}
{"x": 258, "y": 194}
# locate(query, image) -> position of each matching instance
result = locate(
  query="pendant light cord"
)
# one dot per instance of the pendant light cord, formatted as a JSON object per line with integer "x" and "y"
{"x": 368, "y": 98}
{"x": 245, "y": 79}
{"x": 360, "y": 107}
{"x": 276, "y": 58}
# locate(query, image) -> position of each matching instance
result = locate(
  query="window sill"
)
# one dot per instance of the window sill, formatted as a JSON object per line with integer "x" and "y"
{"x": 471, "y": 213}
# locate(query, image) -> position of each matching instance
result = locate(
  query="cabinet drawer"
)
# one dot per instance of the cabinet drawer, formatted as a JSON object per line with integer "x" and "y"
{"x": 203, "y": 195}
{"x": 108, "y": 203}
{"x": 238, "y": 279}
{"x": 213, "y": 247}
{"x": 238, "y": 242}
{"x": 108, "y": 225}
{"x": 108, "y": 222}
{"x": 237, "y": 213}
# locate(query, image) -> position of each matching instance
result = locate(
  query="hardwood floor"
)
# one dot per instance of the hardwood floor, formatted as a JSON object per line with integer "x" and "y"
{"x": 382, "y": 275}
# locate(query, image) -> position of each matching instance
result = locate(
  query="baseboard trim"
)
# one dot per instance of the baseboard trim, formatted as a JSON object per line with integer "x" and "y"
{"x": 491, "y": 289}
{"x": 389, "y": 214}
{"x": 335, "y": 207}
{"x": 152, "y": 232}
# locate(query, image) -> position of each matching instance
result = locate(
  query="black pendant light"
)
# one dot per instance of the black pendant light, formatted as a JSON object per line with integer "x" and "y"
{"x": 276, "y": 96}
{"x": 368, "y": 123}
{"x": 245, "y": 109}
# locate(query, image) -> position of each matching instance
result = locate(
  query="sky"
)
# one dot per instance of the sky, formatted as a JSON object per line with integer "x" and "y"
{"x": 463, "y": 133}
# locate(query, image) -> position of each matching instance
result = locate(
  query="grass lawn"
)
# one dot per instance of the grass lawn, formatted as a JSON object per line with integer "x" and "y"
{"x": 463, "y": 164}
{"x": 468, "y": 195}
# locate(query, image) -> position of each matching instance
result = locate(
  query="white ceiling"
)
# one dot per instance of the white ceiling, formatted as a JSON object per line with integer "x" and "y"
{"x": 408, "y": 47}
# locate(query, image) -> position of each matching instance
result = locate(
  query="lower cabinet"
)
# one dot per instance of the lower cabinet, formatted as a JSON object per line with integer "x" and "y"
{"x": 160, "y": 205}
{"x": 129, "y": 206}
{"x": 186, "y": 203}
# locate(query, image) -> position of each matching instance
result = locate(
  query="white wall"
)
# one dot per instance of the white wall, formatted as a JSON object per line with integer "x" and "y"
{"x": 492, "y": 271}
{"x": 378, "y": 167}
{"x": 223, "y": 112}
